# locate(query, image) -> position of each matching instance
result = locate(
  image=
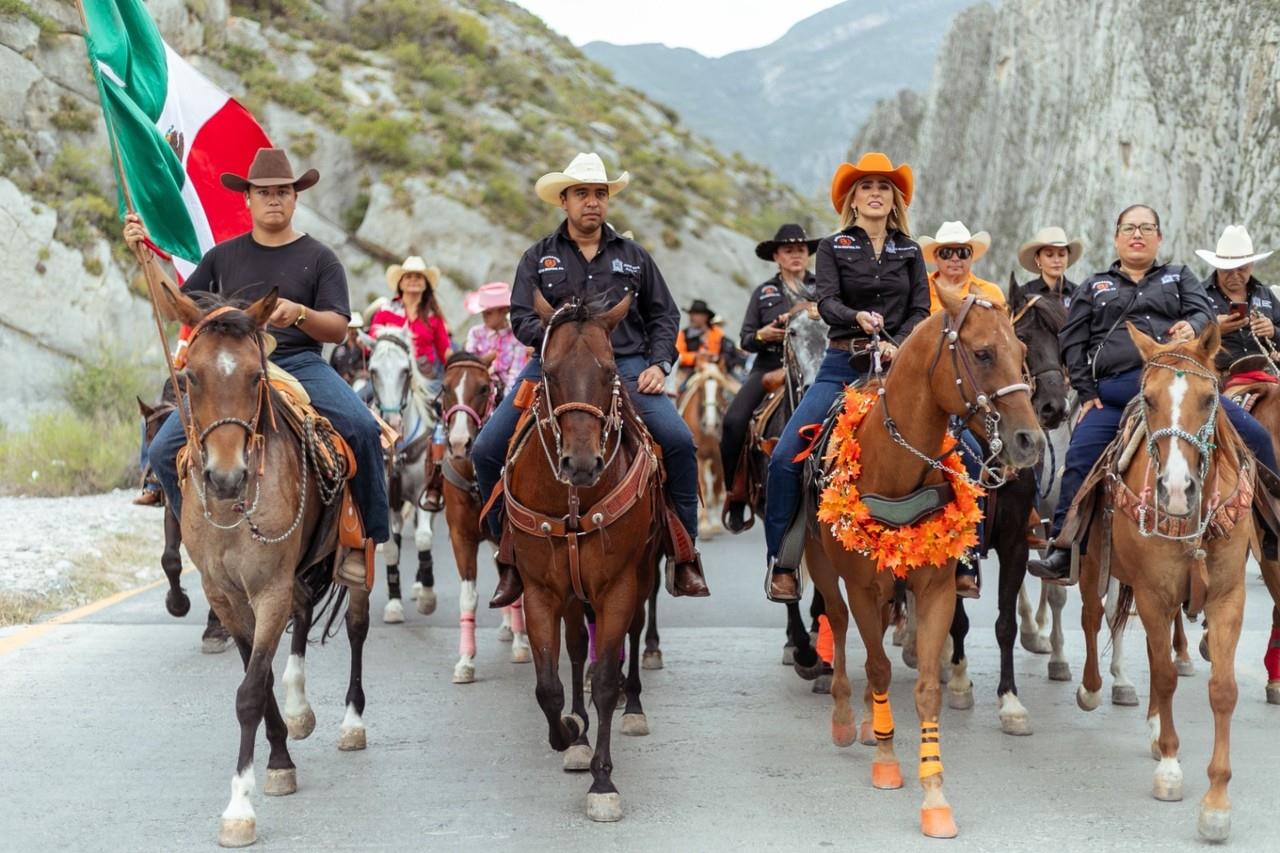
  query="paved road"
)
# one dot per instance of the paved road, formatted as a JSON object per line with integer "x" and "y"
{"x": 117, "y": 735}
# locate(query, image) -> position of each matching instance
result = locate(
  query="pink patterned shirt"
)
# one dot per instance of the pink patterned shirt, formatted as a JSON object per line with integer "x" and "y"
{"x": 512, "y": 355}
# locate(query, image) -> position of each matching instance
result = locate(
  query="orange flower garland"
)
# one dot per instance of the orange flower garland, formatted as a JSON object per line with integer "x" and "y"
{"x": 943, "y": 536}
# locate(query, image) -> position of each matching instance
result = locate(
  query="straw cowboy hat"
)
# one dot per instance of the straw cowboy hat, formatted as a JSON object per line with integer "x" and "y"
{"x": 1235, "y": 249}
{"x": 954, "y": 234}
{"x": 789, "y": 234}
{"x": 270, "y": 168}
{"x": 495, "y": 294}
{"x": 1051, "y": 236}
{"x": 872, "y": 163}
{"x": 585, "y": 169}
{"x": 413, "y": 263}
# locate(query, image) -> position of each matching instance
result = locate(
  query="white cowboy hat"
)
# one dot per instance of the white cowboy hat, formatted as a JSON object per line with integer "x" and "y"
{"x": 413, "y": 263}
{"x": 1235, "y": 249}
{"x": 1051, "y": 236}
{"x": 356, "y": 321}
{"x": 955, "y": 234}
{"x": 585, "y": 169}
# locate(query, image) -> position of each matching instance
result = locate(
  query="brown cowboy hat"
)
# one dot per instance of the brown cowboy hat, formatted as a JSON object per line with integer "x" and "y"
{"x": 871, "y": 163}
{"x": 270, "y": 168}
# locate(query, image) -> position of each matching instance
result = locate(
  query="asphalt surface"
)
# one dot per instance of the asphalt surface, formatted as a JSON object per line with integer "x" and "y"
{"x": 116, "y": 734}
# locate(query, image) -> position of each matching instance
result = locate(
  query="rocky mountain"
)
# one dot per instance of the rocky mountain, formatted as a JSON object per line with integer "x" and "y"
{"x": 429, "y": 121}
{"x": 1063, "y": 112}
{"x": 793, "y": 103}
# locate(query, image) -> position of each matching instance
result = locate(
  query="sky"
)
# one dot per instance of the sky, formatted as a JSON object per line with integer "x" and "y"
{"x": 711, "y": 27}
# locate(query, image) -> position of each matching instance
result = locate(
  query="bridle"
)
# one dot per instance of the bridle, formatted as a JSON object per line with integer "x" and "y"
{"x": 476, "y": 416}
{"x": 407, "y": 383}
{"x": 981, "y": 404}
{"x": 1032, "y": 376}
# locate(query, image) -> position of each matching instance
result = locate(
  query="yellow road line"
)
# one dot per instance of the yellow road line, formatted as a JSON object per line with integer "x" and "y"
{"x": 20, "y": 639}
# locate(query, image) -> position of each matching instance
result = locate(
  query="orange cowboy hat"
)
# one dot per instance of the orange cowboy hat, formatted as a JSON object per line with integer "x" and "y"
{"x": 871, "y": 163}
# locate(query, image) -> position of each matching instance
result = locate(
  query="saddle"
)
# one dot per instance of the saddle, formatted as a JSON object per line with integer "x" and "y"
{"x": 745, "y": 489}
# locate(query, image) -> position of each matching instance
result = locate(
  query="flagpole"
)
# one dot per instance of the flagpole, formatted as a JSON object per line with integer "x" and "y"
{"x": 144, "y": 256}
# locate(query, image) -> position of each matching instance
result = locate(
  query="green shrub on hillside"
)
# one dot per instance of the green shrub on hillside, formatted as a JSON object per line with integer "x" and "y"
{"x": 105, "y": 386}
{"x": 63, "y": 453}
{"x": 383, "y": 139}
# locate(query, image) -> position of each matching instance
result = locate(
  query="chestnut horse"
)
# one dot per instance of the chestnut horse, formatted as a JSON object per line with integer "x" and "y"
{"x": 252, "y": 506}
{"x": 467, "y": 397}
{"x": 706, "y": 395}
{"x": 1180, "y": 528}
{"x": 964, "y": 361}
{"x": 584, "y": 506}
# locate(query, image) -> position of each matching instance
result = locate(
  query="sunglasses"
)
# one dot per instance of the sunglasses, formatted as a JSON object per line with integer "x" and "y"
{"x": 946, "y": 253}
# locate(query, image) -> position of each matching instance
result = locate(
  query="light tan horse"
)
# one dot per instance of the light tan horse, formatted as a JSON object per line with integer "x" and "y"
{"x": 707, "y": 394}
{"x": 962, "y": 362}
{"x": 1180, "y": 531}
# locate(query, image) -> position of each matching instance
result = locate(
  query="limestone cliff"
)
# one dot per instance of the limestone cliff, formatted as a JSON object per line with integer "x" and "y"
{"x": 1064, "y": 112}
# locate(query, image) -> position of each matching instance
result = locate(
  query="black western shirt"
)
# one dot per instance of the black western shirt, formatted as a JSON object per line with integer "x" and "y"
{"x": 851, "y": 279}
{"x": 1095, "y": 342}
{"x": 555, "y": 266}
{"x": 1241, "y": 342}
{"x": 768, "y": 302}
{"x": 1066, "y": 289}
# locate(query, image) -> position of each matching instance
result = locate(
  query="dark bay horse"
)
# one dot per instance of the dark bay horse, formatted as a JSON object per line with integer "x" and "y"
{"x": 251, "y": 514}
{"x": 583, "y": 500}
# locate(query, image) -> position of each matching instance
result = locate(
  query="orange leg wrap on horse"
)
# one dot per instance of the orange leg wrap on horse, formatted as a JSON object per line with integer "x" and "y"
{"x": 826, "y": 640}
{"x": 930, "y": 751}
{"x": 881, "y": 716}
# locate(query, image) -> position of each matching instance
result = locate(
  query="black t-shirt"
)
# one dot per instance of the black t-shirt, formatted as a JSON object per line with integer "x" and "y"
{"x": 306, "y": 271}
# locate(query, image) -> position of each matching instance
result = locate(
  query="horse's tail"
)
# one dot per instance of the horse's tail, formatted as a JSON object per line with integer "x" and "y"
{"x": 315, "y": 590}
{"x": 1124, "y": 603}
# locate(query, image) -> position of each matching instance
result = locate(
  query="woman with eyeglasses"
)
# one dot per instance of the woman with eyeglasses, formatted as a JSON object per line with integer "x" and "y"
{"x": 1165, "y": 301}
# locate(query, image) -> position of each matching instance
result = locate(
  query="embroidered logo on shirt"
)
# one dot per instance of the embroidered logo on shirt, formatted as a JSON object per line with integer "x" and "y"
{"x": 890, "y": 248}
{"x": 1104, "y": 285}
{"x": 550, "y": 263}
{"x": 769, "y": 291}
{"x": 845, "y": 242}
{"x": 1172, "y": 278}
{"x": 625, "y": 269}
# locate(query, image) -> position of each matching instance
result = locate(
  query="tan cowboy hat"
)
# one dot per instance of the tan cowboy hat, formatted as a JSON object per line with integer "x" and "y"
{"x": 413, "y": 263}
{"x": 270, "y": 168}
{"x": 585, "y": 169}
{"x": 1050, "y": 236}
{"x": 954, "y": 234}
{"x": 1235, "y": 250}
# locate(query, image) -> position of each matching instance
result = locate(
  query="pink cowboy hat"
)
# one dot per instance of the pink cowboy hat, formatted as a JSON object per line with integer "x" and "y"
{"x": 495, "y": 294}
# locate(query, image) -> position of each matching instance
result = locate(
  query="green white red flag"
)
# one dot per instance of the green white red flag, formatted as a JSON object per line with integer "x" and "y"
{"x": 175, "y": 133}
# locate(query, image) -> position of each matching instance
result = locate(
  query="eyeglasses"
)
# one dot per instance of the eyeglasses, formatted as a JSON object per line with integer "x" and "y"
{"x": 1147, "y": 228}
{"x": 946, "y": 253}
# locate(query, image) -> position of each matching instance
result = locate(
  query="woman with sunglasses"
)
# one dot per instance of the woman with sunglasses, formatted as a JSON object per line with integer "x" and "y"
{"x": 1165, "y": 301}
{"x": 870, "y": 279}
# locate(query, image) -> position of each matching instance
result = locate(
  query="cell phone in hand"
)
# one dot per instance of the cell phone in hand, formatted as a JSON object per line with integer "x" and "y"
{"x": 1239, "y": 310}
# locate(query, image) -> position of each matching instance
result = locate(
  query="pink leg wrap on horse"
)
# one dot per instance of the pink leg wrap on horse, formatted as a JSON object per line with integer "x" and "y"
{"x": 467, "y": 641}
{"x": 517, "y": 616}
{"x": 1272, "y": 658}
{"x": 591, "y": 642}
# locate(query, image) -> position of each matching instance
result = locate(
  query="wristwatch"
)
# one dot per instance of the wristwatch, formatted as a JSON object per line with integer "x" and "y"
{"x": 302, "y": 315}
{"x": 665, "y": 367}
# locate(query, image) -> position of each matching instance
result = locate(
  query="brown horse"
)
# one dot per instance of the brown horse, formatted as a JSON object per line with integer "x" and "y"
{"x": 467, "y": 398}
{"x": 706, "y": 395}
{"x": 583, "y": 500}
{"x": 965, "y": 362}
{"x": 1180, "y": 527}
{"x": 251, "y": 516}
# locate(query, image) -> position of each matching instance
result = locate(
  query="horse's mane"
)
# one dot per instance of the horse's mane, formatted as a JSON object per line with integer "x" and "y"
{"x": 233, "y": 324}
{"x": 462, "y": 356}
{"x": 579, "y": 311}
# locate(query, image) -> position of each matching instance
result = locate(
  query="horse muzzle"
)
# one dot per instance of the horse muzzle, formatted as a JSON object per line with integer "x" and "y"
{"x": 581, "y": 471}
{"x": 1023, "y": 448}
{"x": 226, "y": 484}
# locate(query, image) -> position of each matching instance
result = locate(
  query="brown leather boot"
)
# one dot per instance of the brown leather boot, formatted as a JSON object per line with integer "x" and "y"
{"x": 149, "y": 497}
{"x": 783, "y": 587}
{"x": 510, "y": 587}
{"x": 689, "y": 579}
{"x": 351, "y": 571}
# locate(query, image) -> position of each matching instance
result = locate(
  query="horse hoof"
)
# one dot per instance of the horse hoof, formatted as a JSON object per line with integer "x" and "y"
{"x": 867, "y": 734}
{"x": 520, "y": 653}
{"x": 1124, "y": 694}
{"x": 427, "y": 601}
{"x": 578, "y": 757}
{"x": 1059, "y": 670}
{"x": 635, "y": 725}
{"x": 505, "y": 634}
{"x": 214, "y": 644}
{"x": 788, "y": 655}
{"x": 1273, "y": 693}
{"x": 899, "y": 634}
{"x": 960, "y": 700}
{"x": 1088, "y": 700}
{"x": 1167, "y": 784}
{"x": 909, "y": 657}
{"x": 938, "y": 822}
{"x": 1214, "y": 824}
{"x": 604, "y": 808}
{"x": 822, "y": 684}
{"x": 1018, "y": 725}
{"x": 808, "y": 673}
{"x": 1204, "y": 647}
{"x": 651, "y": 660}
{"x": 177, "y": 603}
{"x": 281, "y": 783}
{"x": 843, "y": 734}
{"x": 464, "y": 673}
{"x": 886, "y": 775}
{"x": 576, "y": 723}
{"x": 351, "y": 740}
{"x": 1185, "y": 668}
{"x": 301, "y": 726}
{"x": 237, "y": 832}
{"x": 393, "y": 613}
{"x": 1037, "y": 644}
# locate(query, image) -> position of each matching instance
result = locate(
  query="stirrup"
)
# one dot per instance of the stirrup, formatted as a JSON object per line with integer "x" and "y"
{"x": 768, "y": 583}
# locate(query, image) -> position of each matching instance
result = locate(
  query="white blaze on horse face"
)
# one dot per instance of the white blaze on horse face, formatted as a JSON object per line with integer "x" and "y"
{"x": 1177, "y": 472}
{"x": 459, "y": 433}
{"x": 226, "y": 364}
{"x": 710, "y": 404}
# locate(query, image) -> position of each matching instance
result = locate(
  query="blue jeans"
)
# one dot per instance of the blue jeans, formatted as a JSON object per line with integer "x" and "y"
{"x": 489, "y": 453}
{"x": 332, "y": 398}
{"x": 971, "y": 456}
{"x": 785, "y": 475}
{"x": 1099, "y": 426}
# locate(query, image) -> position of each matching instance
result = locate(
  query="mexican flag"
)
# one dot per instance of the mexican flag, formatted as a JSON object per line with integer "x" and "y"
{"x": 175, "y": 133}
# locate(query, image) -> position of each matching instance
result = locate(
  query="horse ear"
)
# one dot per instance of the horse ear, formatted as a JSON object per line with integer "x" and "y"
{"x": 178, "y": 306}
{"x": 144, "y": 408}
{"x": 614, "y": 315}
{"x": 949, "y": 296}
{"x": 1016, "y": 296}
{"x": 1147, "y": 345}
{"x": 1209, "y": 342}
{"x": 262, "y": 310}
{"x": 542, "y": 307}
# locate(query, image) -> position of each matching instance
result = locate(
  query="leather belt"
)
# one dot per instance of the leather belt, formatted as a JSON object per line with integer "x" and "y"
{"x": 848, "y": 344}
